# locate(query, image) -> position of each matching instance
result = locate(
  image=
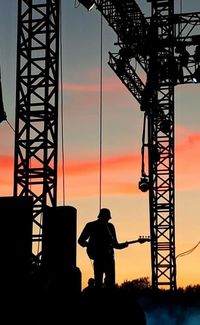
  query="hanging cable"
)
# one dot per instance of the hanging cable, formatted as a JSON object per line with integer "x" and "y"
{"x": 143, "y": 145}
{"x": 189, "y": 251}
{"x": 101, "y": 111}
{"x": 181, "y": 6}
{"x": 62, "y": 108}
{"x": 144, "y": 180}
{"x": 10, "y": 125}
{"x": 181, "y": 11}
{"x": 3, "y": 115}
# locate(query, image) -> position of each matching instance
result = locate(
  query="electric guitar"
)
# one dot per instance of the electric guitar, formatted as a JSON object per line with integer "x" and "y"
{"x": 141, "y": 239}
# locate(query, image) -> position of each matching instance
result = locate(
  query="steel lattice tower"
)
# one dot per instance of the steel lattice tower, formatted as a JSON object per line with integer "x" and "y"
{"x": 152, "y": 44}
{"x": 35, "y": 165}
{"x": 160, "y": 111}
{"x": 166, "y": 47}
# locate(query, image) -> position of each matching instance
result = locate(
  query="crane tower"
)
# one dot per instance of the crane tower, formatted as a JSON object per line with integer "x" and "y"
{"x": 35, "y": 164}
{"x": 166, "y": 47}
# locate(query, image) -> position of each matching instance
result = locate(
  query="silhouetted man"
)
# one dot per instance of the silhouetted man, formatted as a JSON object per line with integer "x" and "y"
{"x": 99, "y": 237}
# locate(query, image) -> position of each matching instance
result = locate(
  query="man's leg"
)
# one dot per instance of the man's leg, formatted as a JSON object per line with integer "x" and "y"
{"x": 110, "y": 273}
{"x": 98, "y": 273}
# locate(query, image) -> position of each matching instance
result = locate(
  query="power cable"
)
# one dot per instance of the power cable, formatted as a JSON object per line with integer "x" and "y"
{"x": 189, "y": 251}
{"x": 10, "y": 126}
{"x": 101, "y": 112}
{"x": 62, "y": 108}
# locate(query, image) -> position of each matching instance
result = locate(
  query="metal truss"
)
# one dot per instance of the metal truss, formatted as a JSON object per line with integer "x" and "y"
{"x": 129, "y": 23}
{"x": 35, "y": 166}
{"x": 127, "y": 74}
{"x": 167, "y": 48}
{"x": 160, "y": 112}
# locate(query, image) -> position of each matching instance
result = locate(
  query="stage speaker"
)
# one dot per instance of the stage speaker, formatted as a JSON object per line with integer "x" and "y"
{"x": 59, "y": 238}
{"x": 16, "y": 216}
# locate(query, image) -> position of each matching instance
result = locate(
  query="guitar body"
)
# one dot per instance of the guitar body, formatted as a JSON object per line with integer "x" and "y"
{"x": 92, "y": 252}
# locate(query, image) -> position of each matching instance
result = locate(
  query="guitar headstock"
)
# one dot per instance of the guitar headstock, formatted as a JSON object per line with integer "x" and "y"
{"x": 143, "y": 239}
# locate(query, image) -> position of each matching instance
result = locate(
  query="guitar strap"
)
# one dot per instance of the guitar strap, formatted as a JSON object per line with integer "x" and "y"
{"x": 111, "y": 236}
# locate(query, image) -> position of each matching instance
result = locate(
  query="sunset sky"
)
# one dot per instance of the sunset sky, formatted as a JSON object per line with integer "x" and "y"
{"x": 121, "y": 146}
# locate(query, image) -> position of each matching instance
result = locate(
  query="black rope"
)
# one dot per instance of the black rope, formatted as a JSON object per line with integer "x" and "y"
{"x": 10, "y": 126}
{"x": 101, "y": 112}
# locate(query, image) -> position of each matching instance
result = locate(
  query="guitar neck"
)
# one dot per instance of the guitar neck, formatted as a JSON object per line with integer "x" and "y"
{"x": 133, "y": 241}
{"x": 140, "y": 240}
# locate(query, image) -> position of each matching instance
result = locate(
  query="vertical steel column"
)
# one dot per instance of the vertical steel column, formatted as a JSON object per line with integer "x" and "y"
{"x": 161, "y": 145}
{"x": 35, "y": 166}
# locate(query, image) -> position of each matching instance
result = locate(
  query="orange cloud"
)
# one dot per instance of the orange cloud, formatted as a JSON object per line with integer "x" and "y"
{"x": 89, "y": 187}
{"x": 83, "y": 176}
{"x": 6, "y": 162}
{"x": 188, "y": 150}
{"x": 6, "y": 175}
{"x": 120, "y": 174}
{"x": 122, "y": 188}
{"x": 187, "y": 161}
{"x": 117, "y": 162}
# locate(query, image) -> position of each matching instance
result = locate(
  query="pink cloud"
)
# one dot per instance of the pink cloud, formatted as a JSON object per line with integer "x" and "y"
{"x": 187, "y": 161}
{"x": 188, "y": 148}
{"x": 80, "y": 87}
{"x": 83, "y": 176}
{"x": 110, "y": 85}
{"x": 117, "y": 171}
{"x": 6, "y": 175}
{"x": 6, "y": 163}
{"x": 92, "y": 189}
{"x": 120, "y": 173}
{"x": 117, "y": 162}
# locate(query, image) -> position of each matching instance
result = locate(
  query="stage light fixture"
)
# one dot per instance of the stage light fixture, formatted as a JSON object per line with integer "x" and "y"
{"x": 144, "y": 184}
{"x": 88, "y": 4}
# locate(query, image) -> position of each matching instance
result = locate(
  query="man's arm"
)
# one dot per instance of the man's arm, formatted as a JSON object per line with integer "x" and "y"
{"x": 85, "y": 234}
{"x": 116, "y": 244}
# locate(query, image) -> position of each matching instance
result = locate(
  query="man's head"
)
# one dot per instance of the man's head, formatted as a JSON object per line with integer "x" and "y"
{"x": 104, "y": 214}
{"x": 91, "y": 282}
